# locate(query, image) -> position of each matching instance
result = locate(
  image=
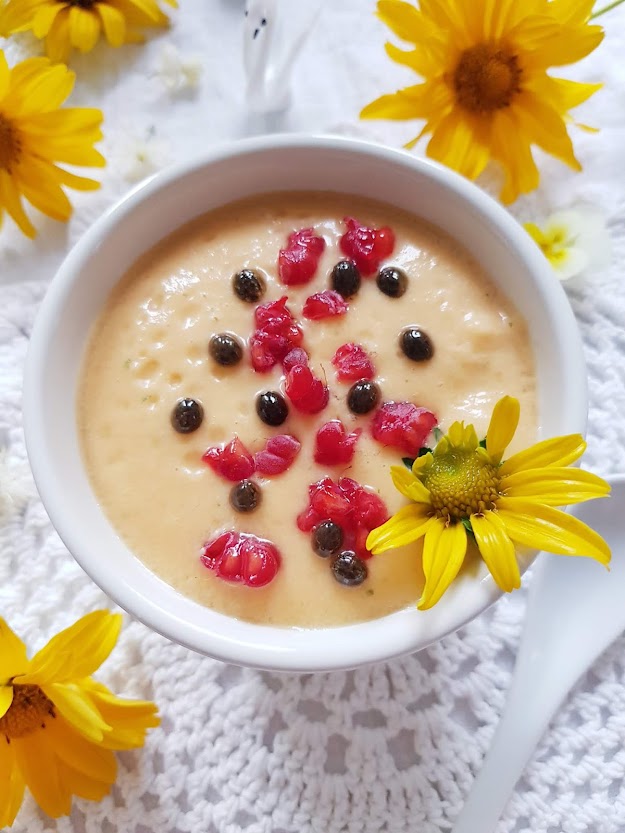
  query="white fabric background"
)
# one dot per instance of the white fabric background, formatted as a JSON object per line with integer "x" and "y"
{"x": 388, "y": 748}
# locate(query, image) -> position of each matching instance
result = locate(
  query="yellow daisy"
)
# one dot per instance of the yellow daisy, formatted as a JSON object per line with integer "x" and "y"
{"x": 79, "y": 24}
{"x": 463, "y": 489}
{"x": 35, "y": 134}
{"x": 58, "y": 725}
{"x": 486, "y": 90}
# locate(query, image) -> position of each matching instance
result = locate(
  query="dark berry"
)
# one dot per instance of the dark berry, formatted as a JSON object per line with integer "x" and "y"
{"x": 225, "y": 349}
{"x": 248, "y": 286}
{"x": 245, "y": 496}
{"x": 346, "y": 278}
{"x": 271, "y": 407}
{"x": 348, "y": 569}
{"x": 363, "y": 397}
{"x": 187, "y": 416}
{"x": 392, "y": 281}
{"x": 416, "y": 344}
{"x": 327, "y": 539}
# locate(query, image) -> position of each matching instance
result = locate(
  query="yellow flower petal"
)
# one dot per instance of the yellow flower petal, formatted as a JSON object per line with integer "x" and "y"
{"x": 84, "y": 28}
{"x": 456, "y": 142}
{"x": 43, "y": 191}
{"x": 555, "y": 486}
{"x": 444, "y": 550}
{"x": 6, "y": 698}
{"x": 81, "y": 754}
{"x": 78, "y": 783}
{"x": 11, "y": 786}
{"x": 113, "y": 23}
{"x": 544, "y": 127}
{"x": 5, "y": 75}
{"x": 35, "y": 757}
{"x": 77, "y": 709}
{"x": 558, "y": 451}
{"x": 408, "y": 485}
{"x": 402, "y": 18}
{"x": 497, "y": 550}
{"x": 10, "y": 201}
{"x": 405, "y": 527}
{"x": 58, "y": 44}
{"x": 455, "y": 435}
{"x": 422, "y": 463}
{"x": 44, "y": 18}
{"x": 13, "y": 656}
{"x": 502, "y": 427}
{"x": 544, "y": 528}
{"x": 128, "y": 719}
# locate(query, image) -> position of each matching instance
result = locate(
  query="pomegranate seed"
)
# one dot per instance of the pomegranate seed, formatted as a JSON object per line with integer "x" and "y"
{"x": 298, "y": 262}
{"x": 352, "y": 363}
{"x": 367, "y": 247}
{"x": 307, "y": 393}
{"x": 295, "y": 357}
{"x": 403, "y": 426}
{"x": 278, "y": 455}
{"x": 241, "y": 558}
{"x": 333, "y": 445}
{"x": 277, "y": 334}
{"x": 232, "y": 461}
{"x": 326, "y": 304}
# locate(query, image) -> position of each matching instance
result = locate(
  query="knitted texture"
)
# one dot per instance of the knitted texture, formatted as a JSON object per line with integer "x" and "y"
{"x": 393, "y": 747}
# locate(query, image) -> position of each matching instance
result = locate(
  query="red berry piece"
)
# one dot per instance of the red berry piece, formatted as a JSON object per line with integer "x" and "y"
{"x": 242, "y": 559}
{"x": 328, "y": 501}
{"x": 298, "y": 262}
{"x": 326, "y": 304}
{"x": 276, "y": 334}
{"x": 403, "y": 426}
{"x": 295, "y": 357}
{"x": 232, "y": 461}
{"x": 367, "y": 247}
{"x": 352, "y": 363}
{"x": 333, "y": 445}
{"x": 278, "y": 455}
{"x": 307, "y": 393}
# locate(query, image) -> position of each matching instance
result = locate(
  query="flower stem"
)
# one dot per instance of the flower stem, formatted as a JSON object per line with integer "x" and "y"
{"x": 606, "y": 9}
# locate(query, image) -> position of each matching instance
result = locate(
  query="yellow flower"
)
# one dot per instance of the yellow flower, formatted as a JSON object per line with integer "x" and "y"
{"x": 58, "y": 725}
{"x": 35, "y": 134}
{"x": 463, "y": 488}
{"x": 78, "y": 24}
{"x": 487, "y": 93}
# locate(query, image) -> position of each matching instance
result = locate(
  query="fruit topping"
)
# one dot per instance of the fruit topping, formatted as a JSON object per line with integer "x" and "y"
{"x": 245, "y": 496}
{"x": 232, "y": 461}
{"x": 324, "y": 304}
{"x": 225, "y": 349}
{"x": 352, "y": 363}
{"x": 295, "y": 357}
{"x": 416, "y": 344}
{"x": 249, "y": 286}
{"x": 403, "y": 426}
{"x": 392, "y": 281}
{"x": 187, "y": 416}
{"x": 349, "y": 505}
{"x": 333, "y": 445}
{"x": 327, "y": 539}
{"x": 242, "y": 558}
{"x": 298, "y": 262}
{"x": 363, "y": 397}
{"x": 345, "y": 278}
{"x": 348, "y": 569}
{"x": 367, "y": 247}
{"x": 308, "y": 394}
{"x": 271, "y": 407}
{"x": 278, "y": 455}
{"x": 276, "y": 334}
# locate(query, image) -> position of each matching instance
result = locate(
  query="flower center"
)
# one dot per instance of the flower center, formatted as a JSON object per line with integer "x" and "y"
{"x": 84, "y": 4}
{"x": 28, "y": 712}
{"x": 487, "y": 78}
{"x": 10, "y": 144}
{"x": 461, "y": 483}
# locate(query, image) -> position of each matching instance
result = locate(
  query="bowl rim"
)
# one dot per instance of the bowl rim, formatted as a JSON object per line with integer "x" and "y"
{"x": 309, "y": 655}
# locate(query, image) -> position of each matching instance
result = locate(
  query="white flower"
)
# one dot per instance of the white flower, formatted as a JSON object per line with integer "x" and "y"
{"x": 143, "y": 157}
{"x": 574, "y": 241}
{"x": 177, "y": 71}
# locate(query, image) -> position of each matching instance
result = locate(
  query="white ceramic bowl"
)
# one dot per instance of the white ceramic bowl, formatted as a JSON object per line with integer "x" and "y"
{"x": 158, "y": 207}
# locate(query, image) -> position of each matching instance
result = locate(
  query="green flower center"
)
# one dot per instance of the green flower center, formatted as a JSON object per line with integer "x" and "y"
{"x": 461, "y": 483}
{"x": 28, "y": 712}
{"x": 10, "y": 144}
{"x": 486, "y": 78}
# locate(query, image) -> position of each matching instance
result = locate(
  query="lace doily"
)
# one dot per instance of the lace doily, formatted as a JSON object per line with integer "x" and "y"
{"x": 392, "y": 747}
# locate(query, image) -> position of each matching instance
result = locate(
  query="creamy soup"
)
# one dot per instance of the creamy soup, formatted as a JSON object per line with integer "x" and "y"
{"x": 149, "y": 349}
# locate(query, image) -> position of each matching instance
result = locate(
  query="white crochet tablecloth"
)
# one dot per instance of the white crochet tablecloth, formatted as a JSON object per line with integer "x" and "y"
{"x": 393, "y": 747}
